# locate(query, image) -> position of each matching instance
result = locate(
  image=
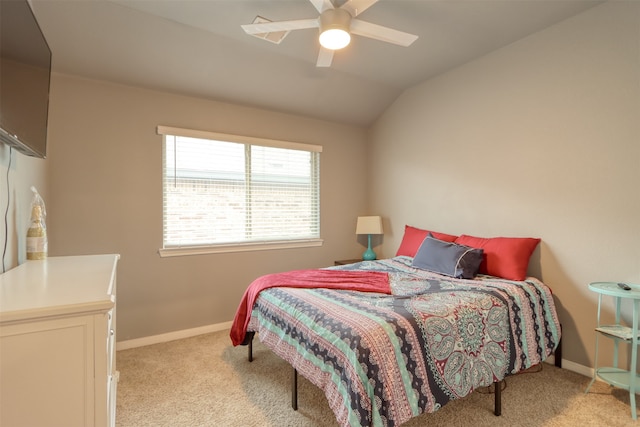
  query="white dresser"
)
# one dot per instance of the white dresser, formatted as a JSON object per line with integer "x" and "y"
{"x": 57, "y": 342}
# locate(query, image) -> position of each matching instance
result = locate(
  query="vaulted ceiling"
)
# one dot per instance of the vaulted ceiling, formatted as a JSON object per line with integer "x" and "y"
{"x": 197, "y": 48}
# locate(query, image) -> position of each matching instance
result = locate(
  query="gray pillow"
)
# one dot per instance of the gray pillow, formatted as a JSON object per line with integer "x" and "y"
{"x": 448, "y": 258}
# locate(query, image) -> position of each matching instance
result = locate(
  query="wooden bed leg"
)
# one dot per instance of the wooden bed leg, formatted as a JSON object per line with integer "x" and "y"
{"x": 294, "y": 390}
{"x": 557, "y": 355}
{"x": 249, "y": 339}
{"x": 498, "y": 398}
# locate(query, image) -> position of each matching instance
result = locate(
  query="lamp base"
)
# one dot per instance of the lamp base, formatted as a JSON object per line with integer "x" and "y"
{"x": 369, "y": 255}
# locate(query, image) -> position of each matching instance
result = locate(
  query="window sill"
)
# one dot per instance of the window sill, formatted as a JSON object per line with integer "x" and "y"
{"x": 243, "y": 247}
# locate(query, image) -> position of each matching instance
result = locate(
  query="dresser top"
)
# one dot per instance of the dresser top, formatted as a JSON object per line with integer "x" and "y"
{"x": 58, "y": 286}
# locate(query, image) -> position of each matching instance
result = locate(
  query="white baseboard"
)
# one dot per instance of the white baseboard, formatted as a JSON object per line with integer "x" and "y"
{"x": 577, "y": 368}
{"x": 172, "y": 336}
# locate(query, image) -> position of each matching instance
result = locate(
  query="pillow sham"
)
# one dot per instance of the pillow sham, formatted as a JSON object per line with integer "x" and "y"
{"x": 448, "y": 258}
{"x": 413, "y": 237}
{"x": 506, "y": 257}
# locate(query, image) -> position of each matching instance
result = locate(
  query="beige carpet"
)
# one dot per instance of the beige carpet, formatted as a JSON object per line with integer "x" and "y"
{"x": 205, "y": 381}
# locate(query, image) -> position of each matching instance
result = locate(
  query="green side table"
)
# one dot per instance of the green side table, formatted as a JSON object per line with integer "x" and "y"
{"x": 627, "y": 379}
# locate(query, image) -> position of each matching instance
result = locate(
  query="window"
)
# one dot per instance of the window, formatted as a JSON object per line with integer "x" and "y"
{"x": 225, "y": 193}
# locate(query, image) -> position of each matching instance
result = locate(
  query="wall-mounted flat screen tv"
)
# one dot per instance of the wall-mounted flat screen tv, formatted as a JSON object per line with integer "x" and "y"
{"x": 25, "y": 73}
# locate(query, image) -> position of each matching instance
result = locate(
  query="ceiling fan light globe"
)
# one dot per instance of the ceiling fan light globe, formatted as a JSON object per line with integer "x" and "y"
{"x": 334, "y": 28}
{"x": 334, "y": 38}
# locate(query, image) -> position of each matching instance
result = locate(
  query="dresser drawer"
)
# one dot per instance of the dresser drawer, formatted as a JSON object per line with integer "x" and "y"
{"x": 111, "y": 342}
{"x": 111, "y": 398}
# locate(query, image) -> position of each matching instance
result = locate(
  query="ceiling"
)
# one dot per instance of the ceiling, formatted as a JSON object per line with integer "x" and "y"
{"x": 197, "y": 48}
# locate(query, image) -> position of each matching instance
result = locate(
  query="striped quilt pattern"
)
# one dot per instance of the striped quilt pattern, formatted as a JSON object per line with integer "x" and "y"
{"x": 383, "y": 359}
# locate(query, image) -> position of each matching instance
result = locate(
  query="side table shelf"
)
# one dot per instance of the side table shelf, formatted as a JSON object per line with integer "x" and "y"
{"x": 617, "y": 377}
{"x": 616, "y": 331}
{"x": 627, "y": 379}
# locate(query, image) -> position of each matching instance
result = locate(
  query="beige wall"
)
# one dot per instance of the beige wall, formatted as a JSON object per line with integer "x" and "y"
{"x": 106, "y": 197}
{"x": 540, "y": 139}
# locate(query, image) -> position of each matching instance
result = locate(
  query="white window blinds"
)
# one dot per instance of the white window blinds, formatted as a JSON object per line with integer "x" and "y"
{"x": 229, "y": 190}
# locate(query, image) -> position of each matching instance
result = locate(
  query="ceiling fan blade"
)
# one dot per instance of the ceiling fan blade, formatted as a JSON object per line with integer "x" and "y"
{"x": 378, "y": 32}
{"x": 272, "y": 27}
{"x": 324, "y": 57}
{"x": 356, "y": 7}
{"x": 322, "y": 5}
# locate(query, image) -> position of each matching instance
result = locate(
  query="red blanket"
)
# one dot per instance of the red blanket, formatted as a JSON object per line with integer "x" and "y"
{"x": 365, "y": 281}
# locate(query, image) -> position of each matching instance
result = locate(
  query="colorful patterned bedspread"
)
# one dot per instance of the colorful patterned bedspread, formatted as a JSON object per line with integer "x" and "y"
{"x": 383, "y": 359}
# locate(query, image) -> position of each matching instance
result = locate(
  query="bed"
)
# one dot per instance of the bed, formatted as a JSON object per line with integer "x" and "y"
{"x": 384, "y": 355}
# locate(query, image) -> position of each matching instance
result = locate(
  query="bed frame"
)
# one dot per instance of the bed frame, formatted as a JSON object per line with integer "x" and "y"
{"x": 497, "y": 386}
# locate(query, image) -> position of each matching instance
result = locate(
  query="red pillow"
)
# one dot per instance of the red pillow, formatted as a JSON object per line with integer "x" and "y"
{"x": 413, "y": 238}
{"x": 506, "y": 257}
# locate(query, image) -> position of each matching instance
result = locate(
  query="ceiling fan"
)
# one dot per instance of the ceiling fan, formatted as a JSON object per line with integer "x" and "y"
{"x": 336, "y": 25}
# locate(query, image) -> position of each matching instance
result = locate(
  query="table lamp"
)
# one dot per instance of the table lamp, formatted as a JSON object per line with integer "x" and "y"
{"x": 369, "y": 225}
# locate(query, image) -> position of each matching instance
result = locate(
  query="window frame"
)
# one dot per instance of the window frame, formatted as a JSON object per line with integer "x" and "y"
{"x": 196, "y": 249}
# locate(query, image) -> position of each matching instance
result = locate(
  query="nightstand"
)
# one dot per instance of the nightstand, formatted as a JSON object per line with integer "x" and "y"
{"x": 347, "y": 261}
{"x": 615, "y": 376}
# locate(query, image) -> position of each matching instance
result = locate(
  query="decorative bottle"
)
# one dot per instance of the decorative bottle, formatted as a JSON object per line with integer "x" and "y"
{"x": 37, "y": 233}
